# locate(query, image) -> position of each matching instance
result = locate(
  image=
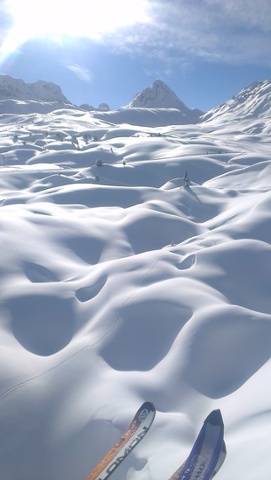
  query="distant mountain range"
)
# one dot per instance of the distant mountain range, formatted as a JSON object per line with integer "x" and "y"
{"x": 158, "y": 104}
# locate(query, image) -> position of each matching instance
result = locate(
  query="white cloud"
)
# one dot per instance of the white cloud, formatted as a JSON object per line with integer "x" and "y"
{"x": 247, "y": 14}
{"x": 230, "y": 31}
{"x": 81, "y": 72}
{"x": 183, "y": 31}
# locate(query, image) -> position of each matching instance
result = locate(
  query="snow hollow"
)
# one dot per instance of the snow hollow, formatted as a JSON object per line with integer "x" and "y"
{"x": 135, "y": 266}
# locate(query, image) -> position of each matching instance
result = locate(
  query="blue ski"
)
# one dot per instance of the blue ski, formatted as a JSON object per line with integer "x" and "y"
{"x": 208, "y": 452}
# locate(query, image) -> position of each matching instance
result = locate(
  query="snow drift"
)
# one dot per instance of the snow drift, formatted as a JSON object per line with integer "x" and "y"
{"x": 120, "y": 285}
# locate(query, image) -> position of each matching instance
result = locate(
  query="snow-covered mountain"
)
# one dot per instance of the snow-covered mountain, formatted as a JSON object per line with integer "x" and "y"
{"x": 253, "y": 101}
{"x": 41, "y": 91}
{"x": 103, "y": 107}
{"x": 159, "y": 95}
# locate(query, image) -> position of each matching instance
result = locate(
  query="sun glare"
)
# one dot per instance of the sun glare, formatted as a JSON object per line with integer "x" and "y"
{"x": 56, "y": 19}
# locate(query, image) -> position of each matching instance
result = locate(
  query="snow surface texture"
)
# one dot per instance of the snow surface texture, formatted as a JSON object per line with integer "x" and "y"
{"x": 120, "y": 284}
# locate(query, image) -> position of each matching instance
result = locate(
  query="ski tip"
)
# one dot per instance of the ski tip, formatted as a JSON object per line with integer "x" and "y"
{"x": 214, "y": 418}
{"x": 148, "y": 406}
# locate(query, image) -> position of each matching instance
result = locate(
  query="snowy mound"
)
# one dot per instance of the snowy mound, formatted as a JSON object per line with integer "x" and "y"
{"x": 135, "y": 266}
{"x": 148, "y": 117}
{"x": 41, "y": 91}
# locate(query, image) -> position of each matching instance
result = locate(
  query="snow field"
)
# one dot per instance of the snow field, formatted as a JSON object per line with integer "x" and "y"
{"x": 120, "y": 285}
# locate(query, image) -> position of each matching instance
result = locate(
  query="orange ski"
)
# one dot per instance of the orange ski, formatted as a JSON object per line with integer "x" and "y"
{"x": 128, "y": 441}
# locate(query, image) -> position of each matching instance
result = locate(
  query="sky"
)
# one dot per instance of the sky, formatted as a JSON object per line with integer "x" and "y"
{"x": 107, "y": 51}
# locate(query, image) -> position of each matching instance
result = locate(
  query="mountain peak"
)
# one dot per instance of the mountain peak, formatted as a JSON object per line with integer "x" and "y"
{"x": 40, "y": 91}
{"x": 158, "y": 95}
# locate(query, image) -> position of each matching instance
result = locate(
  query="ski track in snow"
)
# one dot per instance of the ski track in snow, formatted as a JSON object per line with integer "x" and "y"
{"x": 120, "y": 285}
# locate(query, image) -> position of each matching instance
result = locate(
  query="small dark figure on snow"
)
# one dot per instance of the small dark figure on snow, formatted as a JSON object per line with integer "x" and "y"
{"x": 186, "y": 180}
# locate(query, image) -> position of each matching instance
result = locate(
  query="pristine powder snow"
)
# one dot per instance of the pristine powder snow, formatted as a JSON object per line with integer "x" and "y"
{"x": 121, "y": 285}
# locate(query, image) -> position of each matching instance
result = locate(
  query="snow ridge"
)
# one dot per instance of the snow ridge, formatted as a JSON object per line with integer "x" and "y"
{"x": 253, "y": 101}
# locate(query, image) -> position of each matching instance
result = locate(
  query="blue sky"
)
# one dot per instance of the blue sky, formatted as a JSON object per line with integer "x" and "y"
{"x": 107, "y": 51}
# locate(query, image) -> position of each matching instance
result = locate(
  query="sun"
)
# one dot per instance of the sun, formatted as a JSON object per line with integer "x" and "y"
{"x": 57, "y": 19}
